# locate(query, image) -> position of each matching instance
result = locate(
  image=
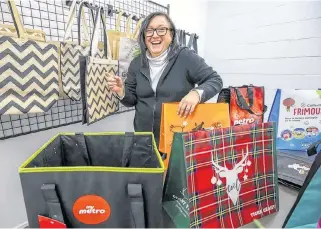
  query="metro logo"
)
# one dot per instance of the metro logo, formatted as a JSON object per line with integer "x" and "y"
{"x": 244, "y": 121}
{"x": 91, "y": 209}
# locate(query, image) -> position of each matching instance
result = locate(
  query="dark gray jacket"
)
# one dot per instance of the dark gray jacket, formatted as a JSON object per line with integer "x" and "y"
{"x": 183, "y": 71}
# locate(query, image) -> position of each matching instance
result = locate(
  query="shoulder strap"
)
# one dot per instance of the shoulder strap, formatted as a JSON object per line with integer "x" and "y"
{"x": 135, "y": 194}
{"x": 17, "y": 19}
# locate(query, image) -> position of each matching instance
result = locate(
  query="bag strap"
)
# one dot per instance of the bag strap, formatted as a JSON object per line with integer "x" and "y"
{"x": 128, "y": 26}
{"x": 94, "y": 41}
{"x": 49, "y": 193}
{"x": 117, "y": 27}
{"x": 192, "y": 43}
{"x": 241, "y": 102}
{"x": 135, "y": 193}
{"x": 312, "y": 150}
{"x": 21, "y": 32}
{"x": 137, "y": 29}
{"x": 70, "y": 20}
{"x": 127, "y": 150}
{"x": 81, "y": 16}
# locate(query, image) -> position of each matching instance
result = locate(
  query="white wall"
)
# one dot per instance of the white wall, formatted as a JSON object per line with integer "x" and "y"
{"x": 275, "y": 44}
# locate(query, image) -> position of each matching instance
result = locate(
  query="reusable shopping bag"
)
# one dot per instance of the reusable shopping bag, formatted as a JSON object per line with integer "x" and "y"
{"x": 114, "y": 37}
{"x": 29, "y": 70}
{"x": 306, "y": 211}
{"x": 222, "y": 178}
{"x": 293, "y": 168}
{"x": 128, "y": 47}
{"x": 96, "y": 180}
{"x": 298, "y": 114}
{"x": 70, "y": 52}
{"x": 206, "y": 115}
{"x": 246, "y": 104}
{"x": 97, "y": 99}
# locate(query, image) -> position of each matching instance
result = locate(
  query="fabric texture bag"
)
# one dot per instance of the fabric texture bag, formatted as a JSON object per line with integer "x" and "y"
{"x": 70, "y": 52}
{"x": 128, "y": 47}
{"x": 306, "y": 211}
{"x": 222, "y": 178}
{"x": 206, "y": 115}
{"x": 293, "y": 168}
{"x": 114, "y": 37}
{"x": 192, "y": 43}
{"x": 246, "y": 104}
{"x": 298, "y": 114}
{"x": 29, "y": 71}
{"x": 98, "y": 101}
{"x": 105, "y": 180}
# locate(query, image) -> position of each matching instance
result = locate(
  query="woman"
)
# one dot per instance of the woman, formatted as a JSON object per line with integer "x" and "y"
{"x": 163, "y": 72}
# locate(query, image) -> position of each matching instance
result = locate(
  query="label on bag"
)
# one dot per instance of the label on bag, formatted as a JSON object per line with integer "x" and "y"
{"x": 91, "y": 209}
{"x": 299, "y": 119}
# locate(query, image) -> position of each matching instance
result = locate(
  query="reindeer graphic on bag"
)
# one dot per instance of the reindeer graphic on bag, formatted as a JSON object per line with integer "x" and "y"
{"x": 233, "y": 184}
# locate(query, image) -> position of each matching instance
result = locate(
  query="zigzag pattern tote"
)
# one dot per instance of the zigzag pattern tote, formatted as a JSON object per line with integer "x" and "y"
{"x": 100, "y": 100}
{"x": 70, "y": 52}
{"x": 28, "y": 72}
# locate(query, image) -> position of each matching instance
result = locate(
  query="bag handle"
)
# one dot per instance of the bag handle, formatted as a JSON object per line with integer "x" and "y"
{"x": 183, "y": 37}
{"x": 128, "y": 25}
{"x": 21, "y": 32}
{"x": 241, "y": 102}
{"x": 128, "y": 145}
{"x": 94, "y": 41}
{"x": 137, "y": 29}
{"x": 312, "y": 150}
{"x": 82, "y": 18}
{"x": 70, "y": 20}
{"x": 135, "y": 193}
{"x": 192, "y": 43}
{"x": 52, "y": 200}
{"x": 117, "y": 27}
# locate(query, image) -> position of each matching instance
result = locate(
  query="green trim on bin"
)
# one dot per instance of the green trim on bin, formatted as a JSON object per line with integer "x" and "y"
{"x": 23, "y": 169}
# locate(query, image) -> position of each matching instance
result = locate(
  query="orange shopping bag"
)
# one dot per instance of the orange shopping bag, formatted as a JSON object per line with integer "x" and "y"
{"x": 205, "y": 115}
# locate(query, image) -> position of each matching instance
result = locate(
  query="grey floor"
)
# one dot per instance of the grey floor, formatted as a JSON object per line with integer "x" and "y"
{"x": 16, "y": 150}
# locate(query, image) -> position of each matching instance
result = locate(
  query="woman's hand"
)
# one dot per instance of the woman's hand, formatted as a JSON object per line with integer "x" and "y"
{"x": 188, "y": 103}
{"x": 115, "y": 84}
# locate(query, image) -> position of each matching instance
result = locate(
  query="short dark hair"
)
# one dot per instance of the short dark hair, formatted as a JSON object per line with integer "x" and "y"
{"x": 141, "y": 38}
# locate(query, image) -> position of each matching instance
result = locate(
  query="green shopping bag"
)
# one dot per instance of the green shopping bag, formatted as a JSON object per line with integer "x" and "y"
{"x": 175, "y": 198}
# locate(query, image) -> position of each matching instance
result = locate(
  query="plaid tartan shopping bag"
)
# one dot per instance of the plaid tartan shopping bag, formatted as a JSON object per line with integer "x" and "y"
{"x": 229, "y": 177}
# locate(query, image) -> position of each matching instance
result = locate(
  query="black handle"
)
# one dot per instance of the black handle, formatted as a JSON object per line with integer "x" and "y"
{"x": 135, "y": 193}
{"x": 92, "y": 9}
{"x": 127, "y": 150}
{"x": 241, "y": 102}
{"x": 49, "y": 192}
{"x": 312, "y": 150}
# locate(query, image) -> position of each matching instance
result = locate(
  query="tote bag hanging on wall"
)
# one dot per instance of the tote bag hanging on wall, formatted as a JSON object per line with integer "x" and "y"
{"x": 70, "y": 52}
{"x": 28, "y": 72}
{"x": 128, "y": 47}
{"x": 246, "y": 104}
{"x": 298, "y": 114}
{"x": 98, "y": 101}
{"x": 207, "y": 115}
{"x": 223, "y": 178}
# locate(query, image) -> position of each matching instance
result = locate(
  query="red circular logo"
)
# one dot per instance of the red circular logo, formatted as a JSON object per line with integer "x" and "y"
{"x": 91, "y": 209}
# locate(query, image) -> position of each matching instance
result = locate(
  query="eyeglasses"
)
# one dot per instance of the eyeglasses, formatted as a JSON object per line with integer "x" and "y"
{"x": 159, "y": 31}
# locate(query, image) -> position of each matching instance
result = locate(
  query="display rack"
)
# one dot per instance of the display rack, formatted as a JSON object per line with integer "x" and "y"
{"x": 50, "y": 16}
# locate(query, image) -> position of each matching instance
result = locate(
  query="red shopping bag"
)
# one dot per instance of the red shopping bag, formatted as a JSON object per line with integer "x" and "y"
{"x": 246, "y": 104}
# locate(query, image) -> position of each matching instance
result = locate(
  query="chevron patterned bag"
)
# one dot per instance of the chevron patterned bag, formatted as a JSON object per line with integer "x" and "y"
{"x": 98, "y": 101}
{"x": 28, "y": 71}
{"x": 70, "y": 52}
